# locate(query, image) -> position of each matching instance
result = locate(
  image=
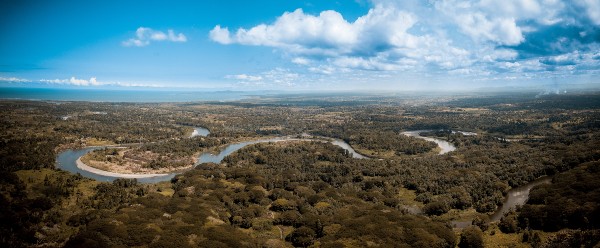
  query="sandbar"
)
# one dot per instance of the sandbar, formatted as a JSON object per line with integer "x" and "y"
{"x": 85, "y": 167}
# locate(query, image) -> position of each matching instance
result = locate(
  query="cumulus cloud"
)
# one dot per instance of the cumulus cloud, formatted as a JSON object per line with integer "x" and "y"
{"x": 379, "y": 40}
{"x": 220, "y": 35}
{"x": 455, "y": 37}
{"x": 327, "y": 33}
{"x": 500, "y": 22}
{"x": 144, "y": 35}
{"x": 561, "y": 60}
{"x": 504, "y": 31}
{"x": 592, "y": 9}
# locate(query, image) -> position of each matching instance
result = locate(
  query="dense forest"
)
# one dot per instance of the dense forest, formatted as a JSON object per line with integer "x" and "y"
{"x": 303, "y": 193}
{"x": 570, "y": 206}
{"x": 571, "y": 200}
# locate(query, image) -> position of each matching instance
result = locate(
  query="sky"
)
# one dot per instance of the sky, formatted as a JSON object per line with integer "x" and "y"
{"x": 380, "y": 45}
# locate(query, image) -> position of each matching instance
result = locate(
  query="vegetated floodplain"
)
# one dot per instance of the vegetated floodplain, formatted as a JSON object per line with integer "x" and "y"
{"x": 303, "y": 192}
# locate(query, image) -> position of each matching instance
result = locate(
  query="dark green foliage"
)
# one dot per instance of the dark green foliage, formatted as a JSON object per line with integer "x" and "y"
{"x": 302, "y": 237}
{"x": 471, "y": 237}
{"x": 225, "y": 236}
{"x": 288, "y": 218}
{"x": 572, "y": 200}
{"x": 436, "y": 208}
{"x": 481, "y": 221}
{"x": 532, "y": 237}
{"x": 170, "y": 239}
{"x": 90, "y": 240}
{"x": 283, "y": 205}
{"x": 117, "y": 193}
{"x": 329, "y": 196}
{"x": 27, "y": 153}
{"x": 392, "y": 228}
{"x": 299, "y": 197}
{"x": 82, "y": 218}
{"x": 23, "y": 215}
{"x": 508, "y": 223}
{"x": 390, "y": 141}
{"x": 573, "y": 238}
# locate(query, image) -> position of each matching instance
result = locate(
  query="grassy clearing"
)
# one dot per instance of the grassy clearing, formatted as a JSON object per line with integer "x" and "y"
{"x": 163, "y": 188}
{"x": 493, "y": 237}
{"x": 408, "y": 197}
{"x": 458, "y": 215}
{"x": 35, "y": 181}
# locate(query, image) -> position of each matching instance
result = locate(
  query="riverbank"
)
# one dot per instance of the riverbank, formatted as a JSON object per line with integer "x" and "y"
{"x": 88, "y": 168}
{"x": 208, "y": 156}
{"x": 72, "y": 162}
{"x": 136, "y": 162}
{"x": 444, "y": 146}
{"x": 517, "y": 197}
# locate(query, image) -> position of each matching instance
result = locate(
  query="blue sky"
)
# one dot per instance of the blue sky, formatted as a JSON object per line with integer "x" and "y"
{"x": 300, "y": 45}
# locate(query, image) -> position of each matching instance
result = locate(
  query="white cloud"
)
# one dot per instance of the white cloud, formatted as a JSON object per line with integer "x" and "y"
{"x": 328, "y": 29}
{"x": 220, "y": 35}
{"x": 328, "y": 33}
{"x": 54, "y": 81}
{"x": 14, "y": 80}
{"x": 281, "y": 77}
{"x": 144, "y": 35}
{"x": 486, "y": 20}
{"x": 301, "y": 61}
{"x": 244, "y": 77}
{"x": 592, "y": 8}
{"x": 73, "y": 81}
{"x": 83, "y": 82}
{"x": 504, "y": 31}
{"x": 176, "y": 37}
{"x": 322, "y": 69}
{"x": 514, "y": 8}
{"x": 275, "y": 78}
{"x": 372, "y": 63}
{"x": 92, "y": 82}
{"x": 488, "y": 54}
{"x": 464, "y": 38}
{"x": 379, "y": 40}
{"x": 502, "y": 22}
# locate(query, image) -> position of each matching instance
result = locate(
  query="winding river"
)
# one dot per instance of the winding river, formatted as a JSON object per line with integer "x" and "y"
{"x": 517, "y": 197}
{"x": 445, "y": 146}
{"x": 68, "y": 160}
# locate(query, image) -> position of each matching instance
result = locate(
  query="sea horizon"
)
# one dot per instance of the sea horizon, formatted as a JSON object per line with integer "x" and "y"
{"x": 120, "y": 94}
{"x": 173, "y": 94}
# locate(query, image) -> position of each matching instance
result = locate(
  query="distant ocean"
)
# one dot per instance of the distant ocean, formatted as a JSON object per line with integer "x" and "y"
{"x": 118, "y": 95}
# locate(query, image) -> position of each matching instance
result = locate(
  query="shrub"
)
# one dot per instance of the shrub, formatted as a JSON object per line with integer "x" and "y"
{"x": 471, "y": 237}
{"x": 436, "y": 208}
